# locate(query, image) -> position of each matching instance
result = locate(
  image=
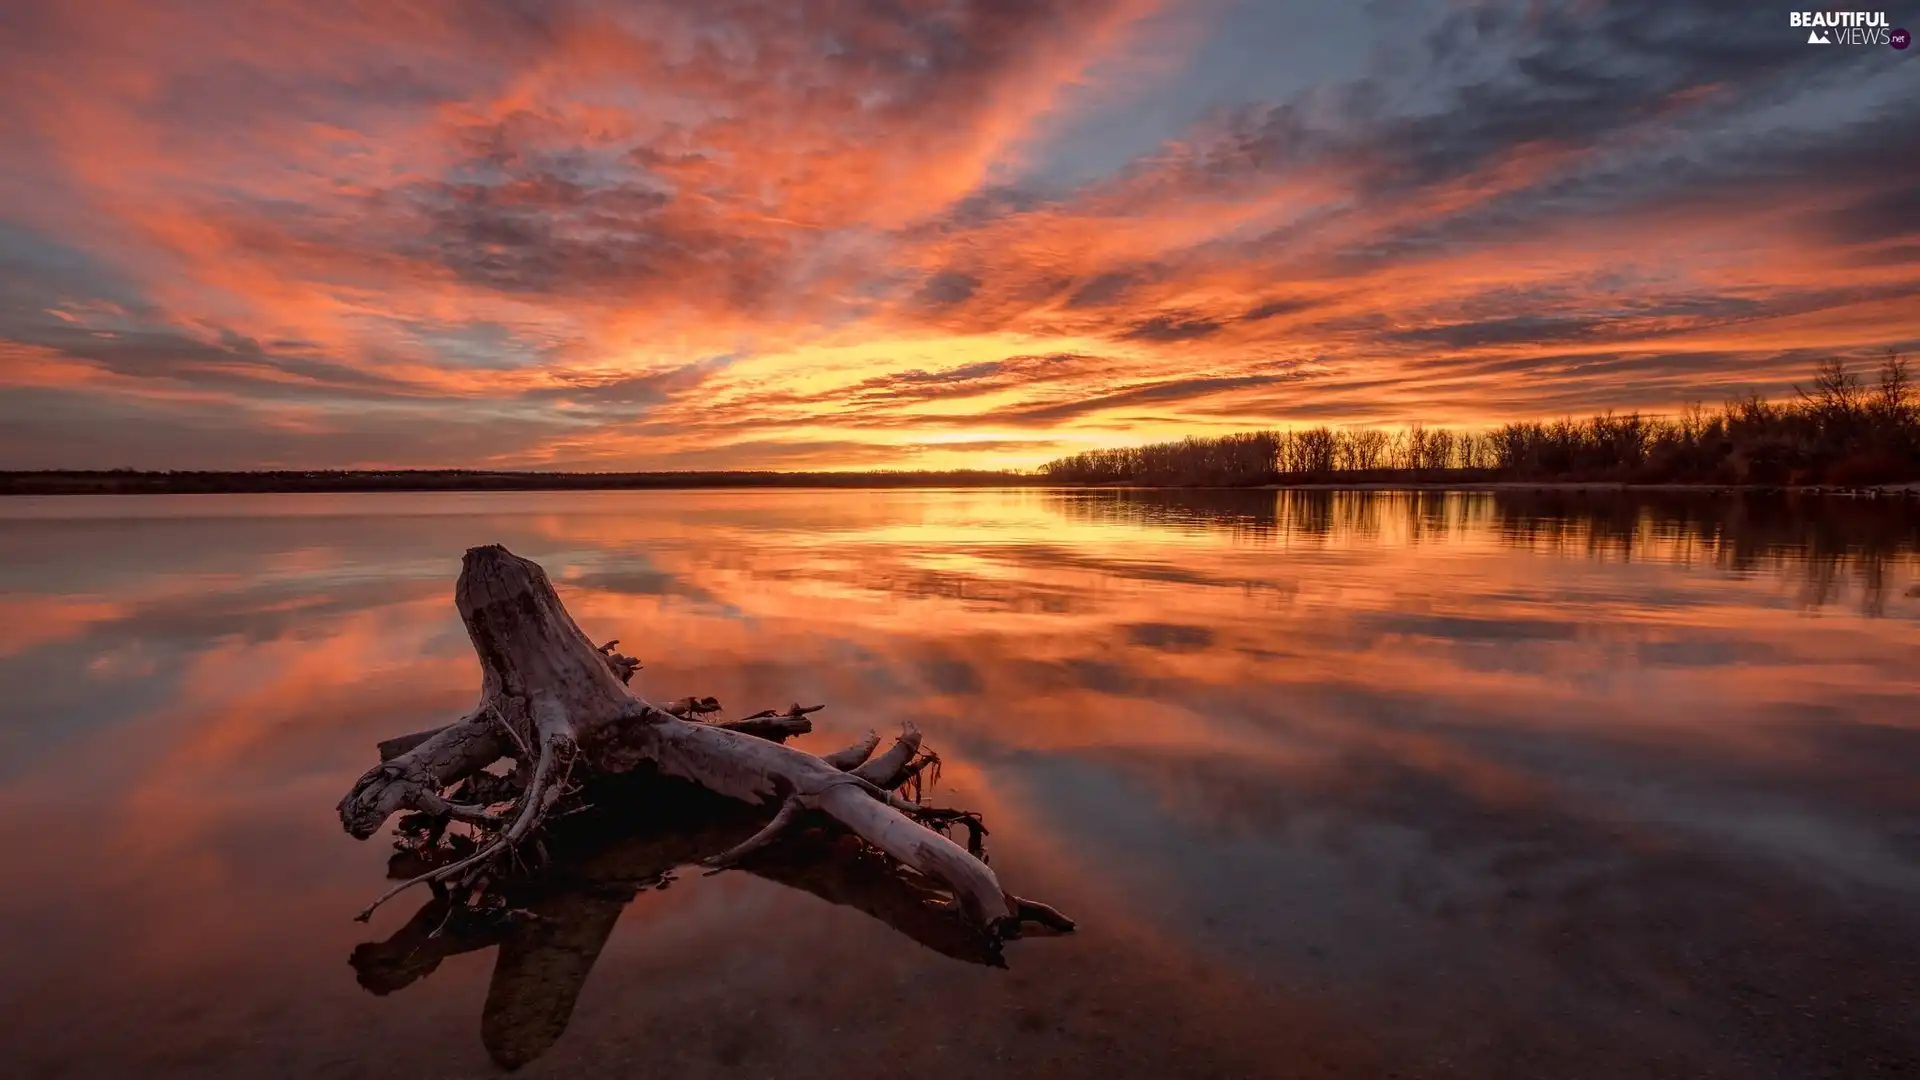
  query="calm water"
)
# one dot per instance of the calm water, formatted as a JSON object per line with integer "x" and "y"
{"x": 1356, "y": 785}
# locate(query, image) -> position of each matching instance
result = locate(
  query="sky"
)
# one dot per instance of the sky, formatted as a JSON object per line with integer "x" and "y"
{"x": 848, "y": 234}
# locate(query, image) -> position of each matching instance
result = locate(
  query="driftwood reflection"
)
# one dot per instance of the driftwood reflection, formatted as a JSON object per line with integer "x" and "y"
{"x": 638, "y": 836}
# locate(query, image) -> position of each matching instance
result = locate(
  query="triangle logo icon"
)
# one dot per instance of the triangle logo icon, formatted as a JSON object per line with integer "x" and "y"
{"x": 1815, "y": 37}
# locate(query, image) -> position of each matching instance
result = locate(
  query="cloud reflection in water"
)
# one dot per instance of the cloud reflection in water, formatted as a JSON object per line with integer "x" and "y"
{"x": 1589, "y": 782}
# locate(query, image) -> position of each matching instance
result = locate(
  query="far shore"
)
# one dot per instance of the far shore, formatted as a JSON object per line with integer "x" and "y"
{"x": 1910, "y": 488}
{"x": 126, "y": 482}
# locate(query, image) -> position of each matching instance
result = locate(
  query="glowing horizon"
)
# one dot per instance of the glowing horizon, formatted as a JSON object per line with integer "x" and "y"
{"x": 932, "y": 234}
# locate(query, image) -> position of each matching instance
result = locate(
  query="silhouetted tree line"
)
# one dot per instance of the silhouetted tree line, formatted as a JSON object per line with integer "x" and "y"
{"x": 1839, "y": 430}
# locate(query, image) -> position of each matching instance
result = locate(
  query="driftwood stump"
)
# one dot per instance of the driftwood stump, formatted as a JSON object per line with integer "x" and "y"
{"x": 560, "y": 710}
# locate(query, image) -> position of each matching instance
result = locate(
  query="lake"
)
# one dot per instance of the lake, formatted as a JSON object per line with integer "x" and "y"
{"x": 1336, "y": 784}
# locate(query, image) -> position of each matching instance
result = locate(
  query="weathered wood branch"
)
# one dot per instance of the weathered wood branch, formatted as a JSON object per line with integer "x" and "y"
{"x": 884, "y": 768}
{"x": 768, "y": 724}
{"x": 559, "y": 708}
{"x": 854, "y": 755}
{"x": 788, "y": 814}
{"x": 400, "y": 744}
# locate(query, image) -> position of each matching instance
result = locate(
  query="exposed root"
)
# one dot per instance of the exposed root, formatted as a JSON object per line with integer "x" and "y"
{"x": 487, "y": 789}
{"x": 622, "y": 667}
{"x": 853, "y": 755}
{"x": 467, "y": 813}
{"x": 550, "y": 774}
{"x": 903, "y": 766}
{"x": 773, "y": 726}
{"x": 918, "y": 778}
{"x": 882, "y": 769}
{"x": 1033, "y": 911}
{"x": 400, "y": 744}
{"x": 942, "y": 819}
{"x": 795, "y": 709}
{"x": 688, "y": 708}
{"x": 765, "y": 724}
{"x": 782, "y": 821}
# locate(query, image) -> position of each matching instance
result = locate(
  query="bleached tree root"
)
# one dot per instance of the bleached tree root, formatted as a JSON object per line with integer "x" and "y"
{"x": 559, "y": 708}
{"x": 853, "y": 755}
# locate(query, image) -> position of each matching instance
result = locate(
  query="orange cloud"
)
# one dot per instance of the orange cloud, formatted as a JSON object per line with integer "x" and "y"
{"x": 816, "y": 236}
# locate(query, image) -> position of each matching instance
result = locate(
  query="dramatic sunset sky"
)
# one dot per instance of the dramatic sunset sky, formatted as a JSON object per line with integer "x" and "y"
{"x": 917, "y": 233}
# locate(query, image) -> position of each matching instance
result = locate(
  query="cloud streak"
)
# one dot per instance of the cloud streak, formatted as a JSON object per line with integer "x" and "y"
{"x": 821, "y": 234}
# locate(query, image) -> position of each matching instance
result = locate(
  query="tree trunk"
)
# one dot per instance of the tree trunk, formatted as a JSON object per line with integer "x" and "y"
{"x": 560, "y": 709}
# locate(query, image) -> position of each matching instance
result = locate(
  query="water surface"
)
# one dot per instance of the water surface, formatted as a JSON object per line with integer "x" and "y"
{"x": 1338, "y": 784}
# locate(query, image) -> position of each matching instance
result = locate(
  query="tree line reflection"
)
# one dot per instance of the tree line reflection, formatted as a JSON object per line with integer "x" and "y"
{"x": 1828, "y": 544}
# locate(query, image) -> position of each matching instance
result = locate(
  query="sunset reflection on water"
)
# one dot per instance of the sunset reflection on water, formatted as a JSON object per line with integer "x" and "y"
{"x": 1469, "y": 784}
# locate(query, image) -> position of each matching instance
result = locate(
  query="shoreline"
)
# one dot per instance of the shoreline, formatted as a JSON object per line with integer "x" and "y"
{"x": 1909, "y": 488}
{"x": 61, "y": 483}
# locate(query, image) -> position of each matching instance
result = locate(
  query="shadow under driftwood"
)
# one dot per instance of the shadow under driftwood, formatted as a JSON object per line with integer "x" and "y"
{"x": 642, "y": 830}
